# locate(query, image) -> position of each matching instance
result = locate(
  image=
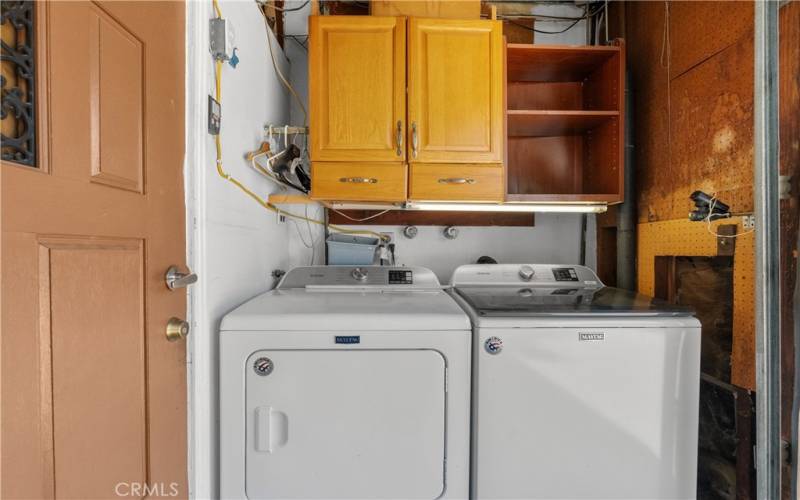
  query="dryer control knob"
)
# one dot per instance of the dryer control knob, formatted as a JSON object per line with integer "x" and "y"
{"x": 526, "y": 273}
{"x": 359, "y": 274}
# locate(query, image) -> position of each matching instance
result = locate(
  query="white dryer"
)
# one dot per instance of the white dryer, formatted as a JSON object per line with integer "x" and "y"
{"x": 580, "y": 391}
{"x": 346, "y": 383}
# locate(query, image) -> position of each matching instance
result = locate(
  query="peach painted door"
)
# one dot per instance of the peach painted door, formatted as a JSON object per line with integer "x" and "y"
{"x": 94, "y": 395}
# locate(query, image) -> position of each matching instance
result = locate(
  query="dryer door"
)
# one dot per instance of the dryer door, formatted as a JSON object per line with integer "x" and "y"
{"x": 345, "y": 424}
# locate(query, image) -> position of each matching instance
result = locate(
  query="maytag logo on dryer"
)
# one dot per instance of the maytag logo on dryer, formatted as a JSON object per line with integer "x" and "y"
{"x": 591, "y": 336}
{"x": 347, "y": 339}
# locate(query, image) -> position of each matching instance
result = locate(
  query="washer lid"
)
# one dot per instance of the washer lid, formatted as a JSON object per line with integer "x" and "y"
{"x": 488, "y": 301}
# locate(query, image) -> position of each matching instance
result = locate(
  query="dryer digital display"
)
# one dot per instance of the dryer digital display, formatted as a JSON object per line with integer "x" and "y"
{"x": 401, "y": 277}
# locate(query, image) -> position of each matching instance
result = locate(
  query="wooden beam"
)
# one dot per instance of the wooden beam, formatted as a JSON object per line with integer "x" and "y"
{"x": 414, "y": 218}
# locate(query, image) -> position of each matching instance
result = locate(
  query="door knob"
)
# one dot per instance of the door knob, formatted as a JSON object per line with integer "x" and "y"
{"x": 177, "y": 329}
{"x": 176, "y": 279}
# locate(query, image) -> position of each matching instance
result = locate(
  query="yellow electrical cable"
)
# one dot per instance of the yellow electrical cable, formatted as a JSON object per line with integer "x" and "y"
{"x": 264, "y": 203}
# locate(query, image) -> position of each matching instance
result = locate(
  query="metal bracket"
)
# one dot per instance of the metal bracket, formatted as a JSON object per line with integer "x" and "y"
{"x": 726, "y": 246}
{"x": 270, "y": 130}
{"x": 784, "y": 187}
{"x": 786, "y": 452}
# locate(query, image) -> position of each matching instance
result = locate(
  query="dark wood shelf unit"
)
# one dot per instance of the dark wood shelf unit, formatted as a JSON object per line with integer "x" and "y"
{"x": 565, "y": 122}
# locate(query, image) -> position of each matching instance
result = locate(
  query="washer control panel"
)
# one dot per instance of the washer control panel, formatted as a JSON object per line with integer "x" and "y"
{"x": 552, "y": 275}
{"x": 565, "y": 274}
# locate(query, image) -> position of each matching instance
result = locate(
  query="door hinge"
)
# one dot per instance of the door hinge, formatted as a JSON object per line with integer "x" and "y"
{"x": 784, "y": 187}
{"x": 786, "y": 452}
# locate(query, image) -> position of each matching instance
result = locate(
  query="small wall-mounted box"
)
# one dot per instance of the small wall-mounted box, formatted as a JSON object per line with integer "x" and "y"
{"x": 221, "y": 39}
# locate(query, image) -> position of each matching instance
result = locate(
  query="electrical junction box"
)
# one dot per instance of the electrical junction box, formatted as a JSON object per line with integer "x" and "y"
{"x": 222, "y": 39}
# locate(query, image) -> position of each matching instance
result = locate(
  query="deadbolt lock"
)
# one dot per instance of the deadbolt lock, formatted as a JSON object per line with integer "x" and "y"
{"x": 177, "y": 329}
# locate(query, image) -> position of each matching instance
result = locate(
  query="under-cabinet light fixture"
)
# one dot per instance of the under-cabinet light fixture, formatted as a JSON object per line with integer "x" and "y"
{"x": 555, "y": 207}
{"x": 510, "y": 207}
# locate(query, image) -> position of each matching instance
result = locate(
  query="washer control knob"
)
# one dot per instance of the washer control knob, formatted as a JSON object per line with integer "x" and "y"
{"x": 526, "y": 273}
{"x": 359, "y": 274}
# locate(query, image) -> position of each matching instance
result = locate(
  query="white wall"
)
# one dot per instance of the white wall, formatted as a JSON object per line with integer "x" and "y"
{"x": 234, "y": 244}
{"x": 554, "y": 239}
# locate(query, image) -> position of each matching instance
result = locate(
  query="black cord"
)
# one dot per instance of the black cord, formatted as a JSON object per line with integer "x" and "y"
{"x": 587, "y": 14}
{"x": 545, "y": 32}
{"x": 296, "y": 39}
{"x": 293, "y": 9}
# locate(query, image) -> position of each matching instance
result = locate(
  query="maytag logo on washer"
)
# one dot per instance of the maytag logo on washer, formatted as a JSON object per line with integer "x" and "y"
{"x": 493, "y": 345}
{"x": 591, "y": 337}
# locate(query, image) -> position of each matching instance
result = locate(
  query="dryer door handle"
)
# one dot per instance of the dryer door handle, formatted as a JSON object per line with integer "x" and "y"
{"x": 272, "y": 429}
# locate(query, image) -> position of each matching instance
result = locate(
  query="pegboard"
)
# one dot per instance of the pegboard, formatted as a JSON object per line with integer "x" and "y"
{"x": 694, "y": 115}
{"x": 683, "y": 237}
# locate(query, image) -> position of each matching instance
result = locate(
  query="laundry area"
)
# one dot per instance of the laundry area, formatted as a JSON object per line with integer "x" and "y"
{"x": 400, "y": 249}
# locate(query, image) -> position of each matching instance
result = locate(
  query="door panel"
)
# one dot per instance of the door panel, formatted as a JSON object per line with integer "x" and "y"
{"x": 97, "y": 393}
{"x": 357, "y": 88}
{"x": 97, "y": 348}
{"x": 116, "y": 83}
{"x": 359, "y": 430}
{"x": 455, "y": 90}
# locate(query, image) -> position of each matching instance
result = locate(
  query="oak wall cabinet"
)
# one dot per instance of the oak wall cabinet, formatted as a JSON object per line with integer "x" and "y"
{"x": 357, "y": 88}
{"x": 565, "y": 113}
{"x": 369, "y": 119}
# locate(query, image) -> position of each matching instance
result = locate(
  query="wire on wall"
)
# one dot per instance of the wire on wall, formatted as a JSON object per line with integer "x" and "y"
{"x": 222, "y": 173}
{"x": 588, "y": 13}
{"x": 712, "y": 231}
{"x": 278, "y": 72}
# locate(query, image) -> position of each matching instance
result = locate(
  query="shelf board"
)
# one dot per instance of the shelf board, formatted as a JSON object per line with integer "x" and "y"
{"x": 548, "y": 63}
{"x": 289, "y": 199}
{"x": 547, "y": 123}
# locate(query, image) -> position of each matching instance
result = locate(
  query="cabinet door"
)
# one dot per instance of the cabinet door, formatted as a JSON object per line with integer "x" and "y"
{"x": 455, "y": 90}
{"x": 357, "y": 82}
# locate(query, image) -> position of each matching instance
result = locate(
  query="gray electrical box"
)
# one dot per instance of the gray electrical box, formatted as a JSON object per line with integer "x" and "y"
{"x": 221, "y": 39}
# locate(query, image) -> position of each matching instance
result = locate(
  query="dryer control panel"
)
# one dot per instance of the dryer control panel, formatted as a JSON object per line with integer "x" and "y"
{"x": 554, "y": 275}
{"x": 381, "y": 277}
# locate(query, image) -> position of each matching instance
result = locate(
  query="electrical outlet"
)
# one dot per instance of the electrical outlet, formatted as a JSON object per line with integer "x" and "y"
{"x": 387, "y": 237}
{"x": 748, "y": 221}
{"x": 214, "y": 116}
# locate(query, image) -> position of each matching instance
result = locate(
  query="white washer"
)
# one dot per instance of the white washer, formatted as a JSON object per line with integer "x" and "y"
{"x": 349, "y": 383}
{"x": 580, "y": 391}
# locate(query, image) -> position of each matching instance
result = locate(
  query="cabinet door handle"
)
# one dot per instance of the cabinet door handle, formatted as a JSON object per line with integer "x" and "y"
{"x": 457, "y": 180}
{"x": 414, "y": 140}
{"x": 399, "y": 138}
{"x": 359, "y": 180}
